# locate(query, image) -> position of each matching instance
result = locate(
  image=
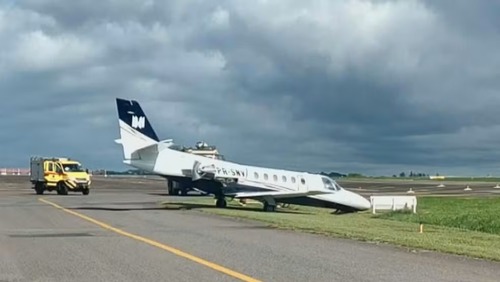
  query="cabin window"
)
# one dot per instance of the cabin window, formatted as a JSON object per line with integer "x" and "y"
{"x": 283, "y": 178}
{"x": 256, "y": 175}
{"x": 265, "y": 176}
{"x": 51, "y": 167}
{"x": 275, "y": 177}
{"x": 293, "y": 179}
{"x": 303, "y": 181}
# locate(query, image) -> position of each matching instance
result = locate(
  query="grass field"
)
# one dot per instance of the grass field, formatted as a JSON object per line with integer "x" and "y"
{"x": 476, "y": 214}
{"x": 466, "y": 226}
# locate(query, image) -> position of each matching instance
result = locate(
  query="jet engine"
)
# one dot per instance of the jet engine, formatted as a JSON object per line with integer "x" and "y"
{"x": 203, "y": 171}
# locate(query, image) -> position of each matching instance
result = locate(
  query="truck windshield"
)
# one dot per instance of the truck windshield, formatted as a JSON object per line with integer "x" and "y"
{"x": 72, "y": 168}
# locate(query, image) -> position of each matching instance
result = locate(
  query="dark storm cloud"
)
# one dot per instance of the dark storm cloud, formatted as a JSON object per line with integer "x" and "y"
{"x": 370, "y": 86}
{"x": 372, "y": 106}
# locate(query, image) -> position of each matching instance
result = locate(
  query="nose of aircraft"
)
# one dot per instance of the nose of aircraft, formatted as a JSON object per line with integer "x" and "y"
{"x": 359, "y": 201}
{"x": 364, "y": 204}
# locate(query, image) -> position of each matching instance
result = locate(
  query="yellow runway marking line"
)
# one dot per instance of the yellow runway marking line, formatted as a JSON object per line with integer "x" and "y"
{"x": 175, "y": 251}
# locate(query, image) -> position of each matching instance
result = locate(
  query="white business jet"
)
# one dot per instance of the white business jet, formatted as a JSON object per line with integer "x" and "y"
{"x": 143, "y": 150}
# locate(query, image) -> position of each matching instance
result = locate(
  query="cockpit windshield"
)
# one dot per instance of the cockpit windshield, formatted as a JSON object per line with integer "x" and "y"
{"x": 330, "y": 184}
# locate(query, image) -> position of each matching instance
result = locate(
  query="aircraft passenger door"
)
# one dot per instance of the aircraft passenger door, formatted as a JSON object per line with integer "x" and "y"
{"x": 302, "y": 182}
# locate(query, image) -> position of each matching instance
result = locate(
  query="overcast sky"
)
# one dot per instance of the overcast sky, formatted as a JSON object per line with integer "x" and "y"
{"x": 375, "y": 87}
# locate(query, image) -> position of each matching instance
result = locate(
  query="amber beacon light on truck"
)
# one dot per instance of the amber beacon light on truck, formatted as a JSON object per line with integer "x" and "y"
{"x": 58, "y": 174}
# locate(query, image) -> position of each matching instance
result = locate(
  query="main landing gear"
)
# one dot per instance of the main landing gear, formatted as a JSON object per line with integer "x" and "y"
{"x": 220, "y": 202}
{"x": 269, "y": 205}
{"x": 177, "y": 188}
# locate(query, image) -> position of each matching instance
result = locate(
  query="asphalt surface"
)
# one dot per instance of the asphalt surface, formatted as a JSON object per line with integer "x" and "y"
{"x": 39, "y": 242}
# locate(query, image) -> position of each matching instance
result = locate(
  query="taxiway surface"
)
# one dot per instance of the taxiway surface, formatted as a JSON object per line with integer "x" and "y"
{"x": 120, "y": 233}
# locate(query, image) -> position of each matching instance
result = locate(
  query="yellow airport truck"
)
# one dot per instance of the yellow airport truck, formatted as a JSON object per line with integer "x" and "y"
{"x": 59, "y": 174}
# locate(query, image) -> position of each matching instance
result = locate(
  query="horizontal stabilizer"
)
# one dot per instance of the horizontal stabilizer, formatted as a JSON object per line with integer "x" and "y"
{"x": 279, "y": 194}
{"x": 149, "y": 152}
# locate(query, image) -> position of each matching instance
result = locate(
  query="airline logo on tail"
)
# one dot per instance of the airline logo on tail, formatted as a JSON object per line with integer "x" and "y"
{"x": 138, "y": 122}
{"x": 131, "y": 114}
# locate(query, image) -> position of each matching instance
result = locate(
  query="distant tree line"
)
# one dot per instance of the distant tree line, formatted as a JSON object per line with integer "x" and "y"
{"x": 412, "y": 174}
{"x": 359, "y": 175}
{"x": 126, "y": 172}
{"x": 332, "y": 174}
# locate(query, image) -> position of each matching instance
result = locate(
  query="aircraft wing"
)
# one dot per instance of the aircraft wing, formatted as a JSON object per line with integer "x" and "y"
{"x": 274, "y": 191}
{"x": 277, "y": 194}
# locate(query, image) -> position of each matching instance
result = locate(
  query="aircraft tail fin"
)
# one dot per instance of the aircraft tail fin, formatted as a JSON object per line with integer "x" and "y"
{"x": 135, "y": 130}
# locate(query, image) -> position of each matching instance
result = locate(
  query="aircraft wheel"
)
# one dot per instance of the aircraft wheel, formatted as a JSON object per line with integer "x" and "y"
{"x": 183, "y": 191}
{"x": 268, "y": 207}
{"x": 221, "y": 203}
{"x": 171, "y": 189}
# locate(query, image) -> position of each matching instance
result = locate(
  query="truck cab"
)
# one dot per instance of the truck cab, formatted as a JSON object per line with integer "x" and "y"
{"x": 59, "y": 174}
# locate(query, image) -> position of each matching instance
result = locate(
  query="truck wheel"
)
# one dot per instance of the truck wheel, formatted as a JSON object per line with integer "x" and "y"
{"x": 61, "y": 189}
{"x": 39, "y": 189}
{"x": 86, "y": 191}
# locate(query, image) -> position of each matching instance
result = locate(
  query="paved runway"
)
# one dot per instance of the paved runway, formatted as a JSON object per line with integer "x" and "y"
{"x": 421, "y": 187}
{"x": 120, "y": 233}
